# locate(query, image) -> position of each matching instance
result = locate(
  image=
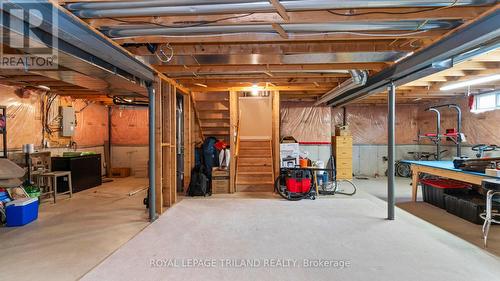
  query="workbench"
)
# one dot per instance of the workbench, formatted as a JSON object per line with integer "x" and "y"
{"x": 443, "y": 169}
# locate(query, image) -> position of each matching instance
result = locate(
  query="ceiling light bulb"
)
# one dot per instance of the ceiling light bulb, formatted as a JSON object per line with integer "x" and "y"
{"x": 255, "y": 90}
{"x": 468, "y": 83}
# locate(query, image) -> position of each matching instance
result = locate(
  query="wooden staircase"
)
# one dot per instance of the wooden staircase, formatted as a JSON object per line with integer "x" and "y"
{"x": 213, "y": 113}
{"x": 255, "y": 166}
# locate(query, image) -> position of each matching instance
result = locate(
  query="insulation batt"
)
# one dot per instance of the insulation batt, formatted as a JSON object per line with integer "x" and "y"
{"x": 368, "y": 123}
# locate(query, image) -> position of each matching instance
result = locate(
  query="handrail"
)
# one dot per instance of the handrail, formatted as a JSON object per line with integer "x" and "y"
{"x": 238, "y": 139}
{"x": 236, "y": 149}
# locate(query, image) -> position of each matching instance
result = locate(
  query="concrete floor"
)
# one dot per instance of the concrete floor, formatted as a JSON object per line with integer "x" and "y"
{"x": 269, "y": 239}
{"x": 439, "y": 217}
{"x": 74, "y": 235}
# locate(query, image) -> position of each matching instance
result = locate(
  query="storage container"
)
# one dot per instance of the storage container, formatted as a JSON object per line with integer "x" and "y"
{"x": 21, "y": 211}
{"x": 218, "y": 172}
{"x": 433, "y": 190}
{"x": 121, "y": 172}
{"x": 468, "y": 207}
{"x": 220, "y": 181}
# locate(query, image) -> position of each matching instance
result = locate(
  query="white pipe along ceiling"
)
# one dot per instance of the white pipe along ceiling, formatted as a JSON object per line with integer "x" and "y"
{"x": 172, "y": 8}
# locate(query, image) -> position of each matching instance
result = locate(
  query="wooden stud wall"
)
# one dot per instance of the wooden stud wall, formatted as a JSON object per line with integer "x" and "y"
{"x": 167, "y": 129}
{"x": 173, "y": 145}
{"x": 166, "y": 148}
{"x": 158, "y": 144}
{"x": 233, "y": 117}
{"x": 188, "y": 141}
{"x": 276, "y": 132}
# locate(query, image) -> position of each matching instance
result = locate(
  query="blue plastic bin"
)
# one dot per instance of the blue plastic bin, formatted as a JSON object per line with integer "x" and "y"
{"x": 21, "y": 211}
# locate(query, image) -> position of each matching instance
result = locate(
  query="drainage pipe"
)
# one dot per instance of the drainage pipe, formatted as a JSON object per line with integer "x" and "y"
{"x": 152, "y": 150}
{"x": 146, "y": 3}
{"x": 299, "y": 28}
{"x": 358, "y": 79}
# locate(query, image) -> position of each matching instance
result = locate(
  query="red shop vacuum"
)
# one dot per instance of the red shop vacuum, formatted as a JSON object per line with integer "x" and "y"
{"x": 295, "y": 184}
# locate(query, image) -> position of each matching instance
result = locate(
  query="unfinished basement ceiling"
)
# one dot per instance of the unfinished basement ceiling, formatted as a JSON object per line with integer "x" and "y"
{"x": 301, "y": 48}
{"x": 304, "y": 49}
{"x": 86, "y": 66}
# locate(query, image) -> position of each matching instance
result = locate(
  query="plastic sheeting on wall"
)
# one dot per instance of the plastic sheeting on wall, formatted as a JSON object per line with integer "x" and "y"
{"x": 478, "y": 127}
{"x": 305, "y": 122}
{"x": 368, "y": 123}
{"x": 92, "y": 123}
{"x": 129, "y": 126}
{"x": 23, "y": 118}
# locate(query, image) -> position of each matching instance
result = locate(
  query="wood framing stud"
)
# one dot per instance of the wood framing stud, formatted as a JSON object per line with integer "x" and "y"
{"x": 280, "y": 9}
{"x": 280, "y": 30}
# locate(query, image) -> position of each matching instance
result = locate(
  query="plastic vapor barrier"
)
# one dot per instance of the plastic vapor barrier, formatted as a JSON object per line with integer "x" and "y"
{"x": 368, "y": 123}
{"x": 305, "y": 122}
{"x": 129, "y": 126}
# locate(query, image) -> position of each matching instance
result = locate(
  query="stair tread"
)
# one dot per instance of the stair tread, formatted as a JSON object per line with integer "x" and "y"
{"x": 253, "y": 165}
{"x": 254, "y": 173}
{"x": 255, "y": 183}
{"x": 253, "y": 157}
{"x": 214, "y": 126}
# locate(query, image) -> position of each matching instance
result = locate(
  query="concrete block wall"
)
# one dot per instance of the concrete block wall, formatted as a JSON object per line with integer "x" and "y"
{"x": 133, "y": 157}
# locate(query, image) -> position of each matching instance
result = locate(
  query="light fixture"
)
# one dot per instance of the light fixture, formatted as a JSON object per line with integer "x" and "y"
{"x": 472, "y": 82}
{"x": 201, "y": 85}
{"x": 43, "y": 87}
{"x": 404, "y": 57}
{"x": 255, "y": 90}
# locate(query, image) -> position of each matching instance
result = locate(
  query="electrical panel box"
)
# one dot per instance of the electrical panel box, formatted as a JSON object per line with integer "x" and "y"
{"x": 68, "y": 121}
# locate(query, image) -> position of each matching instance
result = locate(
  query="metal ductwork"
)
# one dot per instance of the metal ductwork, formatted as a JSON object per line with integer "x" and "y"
{"x": 260, "y": 59}
{"x": 193, "y": 7}
{"x": 147, "y": 3}
{"x": 475, "y": 38}
{"x": 305, "y": 28}
{"x": 358, "y": 79}
{"x": 84, "y": 58}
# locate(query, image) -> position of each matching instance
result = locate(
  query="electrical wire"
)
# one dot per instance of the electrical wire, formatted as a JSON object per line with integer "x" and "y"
{"x": 164, "y": 57}
{"x": 454, "y": 3}
{"x": 194, "y": 24}
{"x": 291, "y": 35}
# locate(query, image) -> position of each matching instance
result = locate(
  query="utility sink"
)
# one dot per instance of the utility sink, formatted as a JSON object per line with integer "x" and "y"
{"x": 77, "y": 153}
{"x": 71, "y": 154}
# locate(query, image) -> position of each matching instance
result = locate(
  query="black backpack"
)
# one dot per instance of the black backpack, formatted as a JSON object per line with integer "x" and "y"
{"x": 199, "y": 185}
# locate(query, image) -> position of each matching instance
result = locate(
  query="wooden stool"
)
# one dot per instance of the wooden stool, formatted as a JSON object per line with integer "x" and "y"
{"x": 51, "y": 178}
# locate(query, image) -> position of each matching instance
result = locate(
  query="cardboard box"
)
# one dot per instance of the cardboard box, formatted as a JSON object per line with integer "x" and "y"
{"x": 289, "y": 154}
{"x": 492, "y": 172}
{"x": 342, "y": 131}
{"x": 219, "y": 172}
{"x": 120, "y": 172}
{"x": 220, "y": 186}
{"x": 220, "y": 181}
